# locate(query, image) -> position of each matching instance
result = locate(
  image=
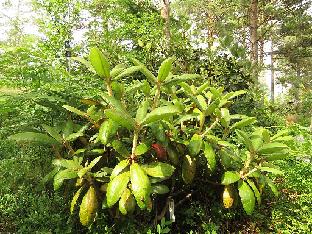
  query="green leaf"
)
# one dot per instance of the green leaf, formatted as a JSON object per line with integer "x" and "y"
{"x": 128, "y": 72}
{"x": 202, "y": 103}
{"x": 88, "y": 207}
{"x": 232, "y": 95}
{"x": 121, "y": 118}
{"x": 271, "y": 170}
{"x": 179, "y": 79}
{"x": 84, "y": 62}
{"x": 74, "y": 201}
{"x": 255, "y": 190}
{"x": 271, "y": 148}
{"x": 226, "y": 118}
{"x": 210, "y": 156}
{"x": 280, "y": 134}
{"x": 113, "y": 102}
{"x": 195, "y": 145}
{"x": 120, "y": 148}
{"x": 160, "y": 113}
{"x": 75, "y": 110}
{"x": 244, "y": 122}
{"x": 33, "y": 137}
{"x": 117, "y": 70}
{"x": 63, "y": 175}
{"x": 158, "y": 169}
{"x": 211, "y": 108}
{"x": 141, "y": 149}
{"x": 160, "y": 189}
{"x": 53, "y": 132}
{"x": 142, "y": 111}
{"x": 99, "y": 63}
{"x": 151, "y": 78}
{"x": 116, "y": 187}
{"x": 119, "y": 168}
{"x": 107, "y": 130}
{"x": 230, "y": 177}
{"x": 84, "y": 170}
{"x": 245, "y": 138}
{"x": 247, "y": 197}
{"x": 126, "y": 202}
{"x": 140, "y": 185}
{"x": 272, "y": 186}
{"x": 164, "y": 69}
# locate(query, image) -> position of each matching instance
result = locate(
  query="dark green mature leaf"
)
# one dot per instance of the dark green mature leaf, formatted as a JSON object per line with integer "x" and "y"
{"x": 33, "y": 137}
{"x": 140, "y": 185}
{"x": 244, "y": 122}
{"x": 179, "y": 79}
{"x": 116, "y": 187}
{"x": 164, "y": 69}
{"x": 121, "y": 118}
{"x": 75, "y": 110}
{"x": 247, "y": 197}
{"x": 195, "y": 145}
{"x": 255, "y": 189}
{"x": 230, "y": 177}
{"x": 99, "y": 63}
{"x": 151, "y": 78}
{"x": 160, "y": 189}
{"x": 120, "y": 148}
{"x": 160, "y": 113}
{"x": 271, "y": 148}
{"x": 158, "y": 169}
{"x": 53, "y": 132}
{"x": 272, "y": 186}
{"x": 271, "y": 170}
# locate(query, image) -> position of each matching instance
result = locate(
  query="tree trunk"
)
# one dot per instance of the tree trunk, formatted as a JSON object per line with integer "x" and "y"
{"x": 253, "y": 30}
{"x": 272, "y": 73}
{"x": 165, "y": 13}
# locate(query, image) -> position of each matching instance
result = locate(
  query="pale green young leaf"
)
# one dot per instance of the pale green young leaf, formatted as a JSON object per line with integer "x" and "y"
{"x": 99, "y": 63}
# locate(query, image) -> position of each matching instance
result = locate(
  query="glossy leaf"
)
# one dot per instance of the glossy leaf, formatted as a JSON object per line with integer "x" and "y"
{"x": 120, "y": 148}
{"x": 53, "y": 132}
{"x": 271, "y": 148}
{"x": 230, "y": 177}
{"x": 142, "y": 111}
{"x": 127, "y": 72}
{"x": 99, "y": 63}
{"x": 140, "y": 185}
{"x": 75, "y": 110}
{"x": 244, "y": 122}
{"x": 63, "y": 175}
{"x": 210, "y": 156}
{"x": 74, "y": 201}
{"x": 121, "y": 118}
{"x": 164, "y": 69}
{"x": 195, "y": 145}
{"x": 107, "y": 130}
{"x": 88, "y": 207}
{"x": 271, "y": 170}
{"x": 188, "y": 169}
{"x": 160, "y": 113}
{"x": 158, "y": 169}
{"x": 116, "y": 187}
{"x": 255, "y": 190}
{"x": 127, "y": 202}
{"x": 247, "y": 197}
{"x": 141, "y": 149}
{"x": 160, "y": 189}
{"x": 149, "y": 75}
{"x": 119, "y": 168}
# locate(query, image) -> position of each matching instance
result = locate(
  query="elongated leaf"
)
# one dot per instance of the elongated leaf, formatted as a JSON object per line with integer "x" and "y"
{"x": 158, "y": 169}
{"x": 53, "y": 132}
{"x": 99, "y": 63}
{"x": 88, "y": 207}
{"x": 140, "y": 185}
{"x": 188, "y": 169}
{"x": 116, "y": 187}
{"x": 33, "y": 137}
{"x": 160, "y": 189}
{"x": 160, "y": 113}
{"x": 63, "y": 175}
{"x": 74, "y": 201}
{"x": 284, "y": 154}
{"x": 128, "y": 72}
{"x": 232, "y": 95}
{"x": 247, "y": 197}
{"x": 119, "y": 168}
{"x": 272, "y": 170}
{"x": 212, "y": 106}
{"x": 120, "y": 148}
{"x": 84, "y": 62}
{"x": 75, "y": 110}
{"x": 210, "y": 156}
{"x": 113, "y": 102}
{"x": 280, "y": 134}
{"x": 84, "y": 170}
{"x": 107, "y": 130}
{"x": 179, "y": 79}
{"x": 164, "y": 69}
{"x": 195, "y": 145}
{"x": 245, "y": 138}
{"x": 121, "y": 118}
{"x": 202, "y": 103}
{"x": 117, "y": 70}
{"x": 151, "y": 78}
{"x": 142, "y": 111}
{"x": 126, "y": 202}
{"x": 272, "y": 186}
{"x": 230, "y": 177}
{"x": 243, "y": 123}
{"x": 271, "y": 148}
{"x": 255, "y": 190}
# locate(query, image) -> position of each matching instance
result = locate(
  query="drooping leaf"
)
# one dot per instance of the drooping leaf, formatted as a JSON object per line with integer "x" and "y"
{"x": 210, "y": 156}
{"x": 160, "y": 113}
{"x": 195, "y": 145}
{"x": 164, "y": 69}
{"x": 179, "y": 79}
{"x": 142, "y": 111}
{"x": 75, "y": 110}
{"x": 247, "y": 197}
{"x": 107, "y": 130}
{"x": 232, "y": 95}
{"x": 121, "y": 118}
{"x": 255, "y": 189}
{"x": 245, "y": 138}
{"x": 116, "y": 187}
{"x": 140, "y": 185}
{"x": 271, "y": 148}
{"x": 158, "y": 169}
{"x": 119, "y": 168}
{"x": 53, "y": 132}
{"x": 88, "y": 207}
{"x": 272, "y": 186}
{"x": 84, "y": 170}
{"x": 99, "y": 63}
{"x": 188, "y": 169}
{"x": 113, "y": 102}
{"x": 127, "y": 202}
{"x": 230, "y": 177}
{"x": 74, "y": 201}
{"x": 117, "y": 70}
{"x": 149, "y": 75}
{"x": 33, "y": 137}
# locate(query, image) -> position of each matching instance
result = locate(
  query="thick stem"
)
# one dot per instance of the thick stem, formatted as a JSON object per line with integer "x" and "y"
{"x": 134, "y": 143}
